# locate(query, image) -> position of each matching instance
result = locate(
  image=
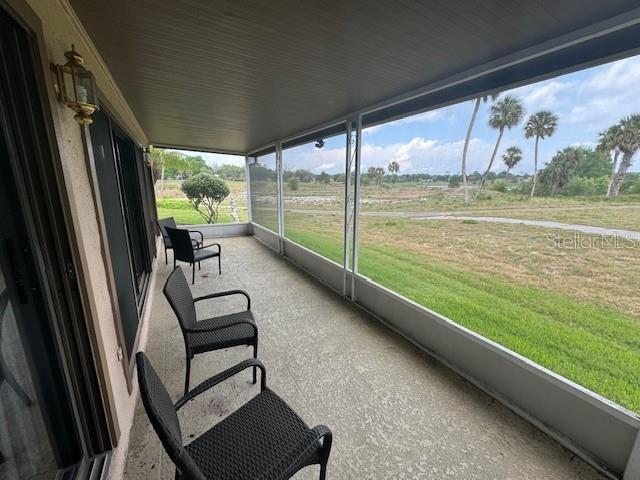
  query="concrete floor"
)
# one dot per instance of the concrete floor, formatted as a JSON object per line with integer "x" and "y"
{"x": 395, "y": 412}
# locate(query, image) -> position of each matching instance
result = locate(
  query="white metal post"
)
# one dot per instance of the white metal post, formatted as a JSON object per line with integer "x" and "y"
{"x": 347, "y": 210}
{"x": 247, "y": 179}
{"x": 280, "y": 196}
{"x": 356, "y": 207}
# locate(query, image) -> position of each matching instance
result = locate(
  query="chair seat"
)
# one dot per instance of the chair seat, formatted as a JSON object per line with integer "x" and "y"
{"x": 259, "y": 440}
{"x": 242, "y": 334}
{"x": 203, "y": 254}
{"x": 167, "y": 241}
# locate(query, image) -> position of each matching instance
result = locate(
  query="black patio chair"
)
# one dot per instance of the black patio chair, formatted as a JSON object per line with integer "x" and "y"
{"x": 185, "y": 251}
{"x": 263, "y": 439}
{"x": 163, "y": 223}
{"x": 216, "y": 333}
{"x": 5, "y": 372}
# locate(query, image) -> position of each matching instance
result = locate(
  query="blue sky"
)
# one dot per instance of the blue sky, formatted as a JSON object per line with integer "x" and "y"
{"x": 586, "y": 103}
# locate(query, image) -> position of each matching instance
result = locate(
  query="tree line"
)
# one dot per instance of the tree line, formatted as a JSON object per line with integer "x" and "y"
{"x": 172, "y": 165}
{"x": 619, "y": 142}
{"x": 588, "y": 169}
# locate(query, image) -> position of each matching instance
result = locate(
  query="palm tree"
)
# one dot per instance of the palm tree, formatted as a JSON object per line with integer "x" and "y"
{"x": 505, "y": 113}
{"x": 629, "y": 145}
{"x": 394, "y": 168}
{"x": 511, "y": 157}
{"x": 476, "y": 107}
{"x": 162, "y": 159}
{"x": 609, "y": 144}
{"x": 541, "y": 124}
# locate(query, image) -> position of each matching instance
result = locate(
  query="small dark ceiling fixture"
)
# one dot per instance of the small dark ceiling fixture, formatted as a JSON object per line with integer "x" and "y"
{"x": 320, "y": 143}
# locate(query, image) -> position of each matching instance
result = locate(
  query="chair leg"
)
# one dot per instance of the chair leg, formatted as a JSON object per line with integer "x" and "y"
{"x": 255, "y": 369}
{"x": 187, "y": 375}
{"x": 323, "y": 471}
{"x": 193, "y": 273}
{"x": 324, "y": 455}
{"x": 199, "y": 266}
{"x": 166, "y": 259}
{"x": 219, "y": 266}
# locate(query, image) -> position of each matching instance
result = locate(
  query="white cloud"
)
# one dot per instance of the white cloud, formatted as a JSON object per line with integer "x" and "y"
{"x": 620, "y": 75}
{"x": 330, "y": 160}
{"x": 610, "y": 94}
{"x": 417, "y": 155}
{"x": 430, "y": 116}
{"x": 546, "y": 95}
{"x": 427, "y": 155}
{"x": 326, "y": 166}
{"x": 424, "y": 117}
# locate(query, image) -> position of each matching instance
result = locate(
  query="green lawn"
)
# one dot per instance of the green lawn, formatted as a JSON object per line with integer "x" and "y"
{"x": 329, "y": 246}
{"x": 184, "y": 213}
{"x": 189, "y": 217}
{"x": 595, "y": 346}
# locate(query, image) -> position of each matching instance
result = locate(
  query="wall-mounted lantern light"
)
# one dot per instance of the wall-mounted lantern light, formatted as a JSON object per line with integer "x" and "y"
{"x": 147, "y": 156}
{"x": 76, "y": 87}
{"x": 320, "y": 143}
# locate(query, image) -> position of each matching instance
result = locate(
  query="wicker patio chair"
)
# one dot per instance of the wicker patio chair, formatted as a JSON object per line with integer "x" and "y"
{"x": 263, "y": 439}
{"x": 216, "y": 333}
{"x": 185, "y": 251}
{"x": 197, "y": 238}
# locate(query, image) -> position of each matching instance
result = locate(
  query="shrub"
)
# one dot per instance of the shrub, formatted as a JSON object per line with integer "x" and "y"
{"x": 581, "y": 186}
{"x": 323, "y": 178}
{"x": 524, "y": 187}
{"x": 454, "y": 181}
{"x": 631, "y": 184}
{"x": 174, "y": 203}
{"x": 293, "y": 184}
{"x": 205, "y": 192}
{"x": 499, "y": 186}
{"x": 481, "y": 196}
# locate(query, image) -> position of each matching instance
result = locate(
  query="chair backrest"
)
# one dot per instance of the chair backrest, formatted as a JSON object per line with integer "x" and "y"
{"x": 178, "y": 293}
{"x": 163, "y": 223}
{"x": 181, "y": 242}
{"x": 163, "y": 417}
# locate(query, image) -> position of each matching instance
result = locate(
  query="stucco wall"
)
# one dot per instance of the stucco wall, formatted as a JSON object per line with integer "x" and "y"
{"x": 61, "y": 28}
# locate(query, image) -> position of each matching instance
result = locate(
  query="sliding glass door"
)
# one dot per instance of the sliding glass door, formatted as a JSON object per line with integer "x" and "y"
{"x": 27, "y": 370}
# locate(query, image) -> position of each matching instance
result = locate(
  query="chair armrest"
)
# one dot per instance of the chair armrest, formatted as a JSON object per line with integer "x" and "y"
{"x": 221, "y": 377}
{"x": 200, "y": 233}
{"x": 224, "y": 294}
{"x": 319, "y": 432}
{"x": 212, "y": 245}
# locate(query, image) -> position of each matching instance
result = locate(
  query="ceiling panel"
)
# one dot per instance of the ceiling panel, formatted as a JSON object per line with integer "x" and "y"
{"x": 234, "y": 75}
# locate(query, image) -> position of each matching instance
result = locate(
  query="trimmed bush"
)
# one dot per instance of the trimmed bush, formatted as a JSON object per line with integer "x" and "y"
{"x": 205, "y": 192}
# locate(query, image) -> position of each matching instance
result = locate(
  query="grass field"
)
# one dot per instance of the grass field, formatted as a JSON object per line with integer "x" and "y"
{"x": 173, "y": 203}
{"x": 620, "y": 212}
{"x": 573, "y": 310}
